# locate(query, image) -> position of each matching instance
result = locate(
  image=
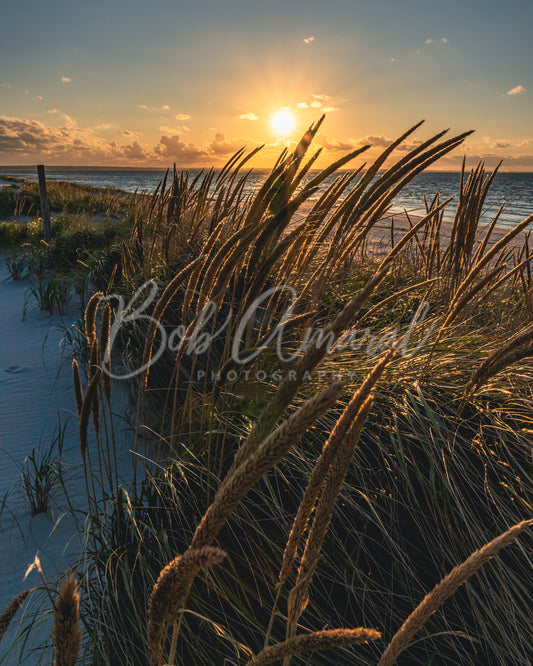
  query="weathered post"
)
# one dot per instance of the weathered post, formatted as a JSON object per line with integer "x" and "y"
{"x": 45, "y": 211}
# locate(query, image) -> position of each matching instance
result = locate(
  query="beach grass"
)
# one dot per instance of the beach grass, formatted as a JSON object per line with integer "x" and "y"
{"x": 88, "y": 227}
{"x": 311, "y": 503}
{"x": 21, "y": 198}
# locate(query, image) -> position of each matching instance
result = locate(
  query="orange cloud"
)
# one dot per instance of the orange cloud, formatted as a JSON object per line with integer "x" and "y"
{"x": 335, "y": 144}
{"x": 171, "y": 147}
{"x": 317, "y": 103}
{"x": 516, "y": 91}
{"x": 145, "y": 107}
{"x": 220, "y": 146}
{"x": 174, "y": 130}
{"x": 23, "y": 140}
{"x": 134, "y": 152}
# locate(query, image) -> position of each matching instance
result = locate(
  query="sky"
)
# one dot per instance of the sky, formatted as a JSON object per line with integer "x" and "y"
{"x": 151, "y": 83}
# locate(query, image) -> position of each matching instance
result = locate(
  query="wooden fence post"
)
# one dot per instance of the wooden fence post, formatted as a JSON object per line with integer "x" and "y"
{"x": 45, "y": 211}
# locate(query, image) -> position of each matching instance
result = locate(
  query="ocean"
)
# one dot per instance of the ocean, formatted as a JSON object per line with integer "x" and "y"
{"x": 515, "y": 189}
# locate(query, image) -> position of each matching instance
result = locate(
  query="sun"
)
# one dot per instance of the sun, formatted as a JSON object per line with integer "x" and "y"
{"x": 283, "y": 123}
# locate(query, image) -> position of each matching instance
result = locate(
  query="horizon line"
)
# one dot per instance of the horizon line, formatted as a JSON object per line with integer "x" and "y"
{"x": 86, "y": 167}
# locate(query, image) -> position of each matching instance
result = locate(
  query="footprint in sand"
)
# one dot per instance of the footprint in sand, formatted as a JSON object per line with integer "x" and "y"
{"x": 14, "y": 369}
{"x": 6, "y": 374}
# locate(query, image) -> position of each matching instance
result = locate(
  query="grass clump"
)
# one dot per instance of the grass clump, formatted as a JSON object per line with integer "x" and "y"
{"x": 22, "y": 198}
{"x": 88, "y": 230}
{"x": 85, "y": 255}
{"x": 41, "y": 472}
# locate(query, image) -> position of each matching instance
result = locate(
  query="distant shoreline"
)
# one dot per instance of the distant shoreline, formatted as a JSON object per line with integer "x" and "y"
{"x": 5, "y": 170}
{"x": 512, "y": 188}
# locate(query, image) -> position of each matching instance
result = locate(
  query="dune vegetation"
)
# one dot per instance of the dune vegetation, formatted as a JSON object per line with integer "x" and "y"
{"x": 88, "y": 227}
{"x": 331, "y": 426}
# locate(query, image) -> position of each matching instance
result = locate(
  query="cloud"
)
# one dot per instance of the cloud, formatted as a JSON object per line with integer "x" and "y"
{"x": 134, "y": 152}
{"x": 376, "y": 144}
{"x": 404, "y": 147}
{"x": 34, "y": 142}
{"x": 69, "y": 122}
{"x": 375, "y": 141}
{"x": 513, "y": 162}
{"x": 248, "y": 116}
{"x": 52, "y": 111}
{"x": 31, "y": 141}
{"x": 516, "y": 91}
{"x": 498, "y": 143}
{"x": 335, "y": 144}
{"x": 519, "y": 161}
{"x": 174, "y": 130}
{"x": 220, "y": 146}
{"x": 173, "y": 148}
{"x": 26, "y": 137}
{"x": 65, "y": 79}
{"x": 308, "y": 40}
{"x": 163, "y": 107}
{"x": 430, "y": 41}
{"x": 317, "y": 103}
{"x": 22, "y": 139}
{"x": 5, "y": 85}
{"x": 183, "y": 116}
{"x": 26, "y": 92}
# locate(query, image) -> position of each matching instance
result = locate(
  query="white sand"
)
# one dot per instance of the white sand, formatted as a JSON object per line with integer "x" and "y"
{"x": 35, "y": 387}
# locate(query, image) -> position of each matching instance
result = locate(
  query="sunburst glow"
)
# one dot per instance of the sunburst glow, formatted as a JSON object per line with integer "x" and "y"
{"x": 283, "y": 123}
